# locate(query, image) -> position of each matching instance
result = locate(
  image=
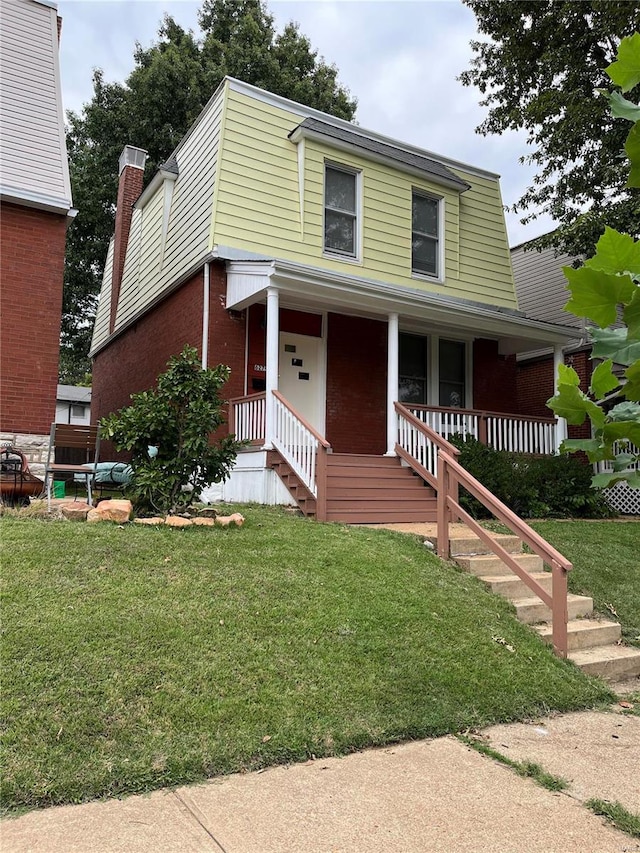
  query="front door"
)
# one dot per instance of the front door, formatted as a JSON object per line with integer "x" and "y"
{"x": 300, "y": 378}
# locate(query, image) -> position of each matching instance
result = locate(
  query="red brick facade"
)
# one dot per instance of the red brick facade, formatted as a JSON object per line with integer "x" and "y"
{"x": 133, "y": 361}
{"x": 535, "y": 382}
{"x": 32, "y": 244}
{"x": 356, "y": 384}
{"x": 129, "y": 188}
{"x": 494, "y": 378}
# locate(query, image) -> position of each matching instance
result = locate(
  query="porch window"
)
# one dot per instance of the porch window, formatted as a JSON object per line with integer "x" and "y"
{"x": 452, "y": 365}
{"x": 425, "y": 249}
{"x": 340, "y": 211}
{"x": 412, "y": 379}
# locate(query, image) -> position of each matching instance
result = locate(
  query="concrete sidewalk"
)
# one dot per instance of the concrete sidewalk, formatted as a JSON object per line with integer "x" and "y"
{"x": 436, "y": 795}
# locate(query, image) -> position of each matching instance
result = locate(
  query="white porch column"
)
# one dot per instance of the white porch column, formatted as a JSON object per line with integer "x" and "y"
{"x": 271, "y": 377}
{"x": 392, "y": 383}
{"x": 561, "y": 429}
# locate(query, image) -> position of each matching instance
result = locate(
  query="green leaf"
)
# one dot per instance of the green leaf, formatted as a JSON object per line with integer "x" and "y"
{"x": 622, "y": 461}
{"x": 596, "y": 294}
{"x": 567, "y": 375}
{"x": 632, "y": 386}
{"x": 625, "y": 71}
{"x": 603, "y": 380}
{"x": 632, "y": 147}
{"x": 589, "y": 445}
{"x": 631, "y": 316}
{"x": 570, "y": 403}
{"x": 621, "y": 431}
{"x": 603, "y": 481}
{"x": 613, "y": 343}
{"x": 616, "y": 253}
{"x": 621, "y": 107}
{"x": 625, "y": 412}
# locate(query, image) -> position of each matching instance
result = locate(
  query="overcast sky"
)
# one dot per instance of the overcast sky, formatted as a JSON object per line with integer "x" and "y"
{"x": 399, "y": 59}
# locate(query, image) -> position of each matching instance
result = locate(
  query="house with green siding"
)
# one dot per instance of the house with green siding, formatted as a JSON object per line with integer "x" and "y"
{"x": 356, "y": 286}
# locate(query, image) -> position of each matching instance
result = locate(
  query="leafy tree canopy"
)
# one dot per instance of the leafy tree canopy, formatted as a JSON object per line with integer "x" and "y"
{"x": 539, "y": 73}
{"x": 171, "y": 82}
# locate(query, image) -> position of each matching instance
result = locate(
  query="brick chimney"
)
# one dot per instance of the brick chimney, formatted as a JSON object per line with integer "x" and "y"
{"x": 129, "y": 188}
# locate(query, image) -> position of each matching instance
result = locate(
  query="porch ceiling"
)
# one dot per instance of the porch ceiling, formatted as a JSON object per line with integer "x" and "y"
{"x": 320, "y": 290}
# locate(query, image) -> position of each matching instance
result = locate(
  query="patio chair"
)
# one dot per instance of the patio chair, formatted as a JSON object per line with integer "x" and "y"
{"x": 84, "y": 442}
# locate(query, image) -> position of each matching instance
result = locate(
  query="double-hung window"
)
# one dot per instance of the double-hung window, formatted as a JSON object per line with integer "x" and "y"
{"x": 425, "y": 237}
{"x": 340, "y": 211}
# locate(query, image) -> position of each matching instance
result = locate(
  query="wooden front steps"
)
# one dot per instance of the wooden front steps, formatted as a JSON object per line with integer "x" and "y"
{"x": 363, "y": 489}
{"x": 375, "y": 489}
{"x": 594, "y": 644}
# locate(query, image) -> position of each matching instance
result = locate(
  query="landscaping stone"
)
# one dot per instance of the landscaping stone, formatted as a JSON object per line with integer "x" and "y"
{"x": 207, "y": 512}
{"x": 111, "y": 510}
{"x": 154, "y": 520}
{"x": 75, "y": 511}
{"x": 227, "y": 520}
{"x": 178, "y": 521}
{"x": 204, "y": 522}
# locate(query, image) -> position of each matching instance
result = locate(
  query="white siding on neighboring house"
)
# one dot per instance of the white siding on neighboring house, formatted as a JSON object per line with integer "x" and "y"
{"x": 33, "y": 151}
{"x": 541, "y": 289}
{"x": 189, "y": 228}
{"x": 73, "y": 405}
{"x": 101, "y": 326}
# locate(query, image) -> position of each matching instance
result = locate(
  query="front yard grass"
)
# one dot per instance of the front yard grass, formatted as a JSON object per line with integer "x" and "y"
{"x": 135, "y": 658}
{"x": 606, "y": 566}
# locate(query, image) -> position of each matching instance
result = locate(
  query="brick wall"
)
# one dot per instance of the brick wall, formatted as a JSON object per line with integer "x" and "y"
{"x": 494, "y": 378}
{"x": 129, "y": 188}
{"x": 133, "y": 361}
{"x": 535, "y": 386}
{"x": 32, "y": 244}
{"x": 356, "y": 384}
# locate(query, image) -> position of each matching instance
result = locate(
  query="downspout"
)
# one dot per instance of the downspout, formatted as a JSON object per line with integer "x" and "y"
{"x": 205, "y": 318}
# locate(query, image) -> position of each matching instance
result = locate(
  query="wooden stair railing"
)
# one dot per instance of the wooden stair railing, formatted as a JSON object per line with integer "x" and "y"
{"x": 303, "y": 449}
{"x": 434, "y": 459}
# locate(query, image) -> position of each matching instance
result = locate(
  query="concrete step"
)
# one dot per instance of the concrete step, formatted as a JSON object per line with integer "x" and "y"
{"x": 386, "y": 515}
{"x": 531, "y": 610}
{"x": 511, "y": 587}
{"x": 585, "y": 633}
{"x": 613, "y": 663}
{"x": 463, "y": 546}
{"x": 483, "y": 565}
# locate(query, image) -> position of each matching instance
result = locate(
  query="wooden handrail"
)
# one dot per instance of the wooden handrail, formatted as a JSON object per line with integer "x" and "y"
{"x": 247, "y": 398}
{"x": 314, "y": 432}
{"x": 426, "y": 430}
{"x": 448, "y": 466}
{"x": 481, "y": 413}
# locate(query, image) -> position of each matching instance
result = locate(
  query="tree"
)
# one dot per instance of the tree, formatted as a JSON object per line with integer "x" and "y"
{"x": 176, "y": 420}
{"x": 169, "y": 85}
{"x": 605, "y": 289}
{"x": 538, "y": 73}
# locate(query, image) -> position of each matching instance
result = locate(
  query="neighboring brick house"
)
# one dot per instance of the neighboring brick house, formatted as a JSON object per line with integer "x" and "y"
{"x": 542, "y": 293}
{"x": 340, "y": 269}
{"x": 35, "y": 193}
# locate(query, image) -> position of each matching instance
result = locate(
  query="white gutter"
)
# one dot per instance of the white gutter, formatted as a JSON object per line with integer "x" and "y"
{"x": 205, "y": 318}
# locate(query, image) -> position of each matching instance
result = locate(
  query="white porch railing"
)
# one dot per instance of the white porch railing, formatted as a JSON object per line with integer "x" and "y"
{"x": 417, "y": 445}
{"x": 247, "y": 418}
{"x": 516, "y": 433}
{"x": 298, "y": 442}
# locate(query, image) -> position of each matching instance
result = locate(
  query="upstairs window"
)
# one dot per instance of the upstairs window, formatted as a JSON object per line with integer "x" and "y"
{"x": 340, "y": 211}
{"x": 425, "y": 239}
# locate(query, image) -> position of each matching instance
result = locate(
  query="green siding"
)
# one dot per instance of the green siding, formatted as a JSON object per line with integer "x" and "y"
{"x": 258, "y": 208}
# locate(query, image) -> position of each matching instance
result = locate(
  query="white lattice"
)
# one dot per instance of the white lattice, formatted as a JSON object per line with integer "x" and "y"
{"x": 623, "y": 499}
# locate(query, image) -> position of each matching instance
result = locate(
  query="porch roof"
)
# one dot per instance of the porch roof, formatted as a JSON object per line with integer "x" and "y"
{"x": 314, "y": 289}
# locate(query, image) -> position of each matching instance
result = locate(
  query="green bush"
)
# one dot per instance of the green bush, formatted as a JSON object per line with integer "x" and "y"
{"x": 532, "y": 486}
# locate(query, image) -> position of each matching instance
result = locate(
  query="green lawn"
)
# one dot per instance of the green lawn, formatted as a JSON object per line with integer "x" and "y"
{"x": 134, "y": 658}
{"x": 606, "y": 566}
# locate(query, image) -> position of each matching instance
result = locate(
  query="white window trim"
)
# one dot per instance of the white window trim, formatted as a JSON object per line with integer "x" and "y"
{"x": 423, "y": 276}
{"x": 357, "y": 237}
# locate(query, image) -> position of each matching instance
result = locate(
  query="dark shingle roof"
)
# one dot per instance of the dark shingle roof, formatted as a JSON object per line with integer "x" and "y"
{"x": 431, "y": 168}
{"x": 170, "y": 165}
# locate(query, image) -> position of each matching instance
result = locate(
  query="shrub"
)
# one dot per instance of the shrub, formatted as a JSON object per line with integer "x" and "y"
{"x": 174, "y": 421}
{"x": 532, "y": 486}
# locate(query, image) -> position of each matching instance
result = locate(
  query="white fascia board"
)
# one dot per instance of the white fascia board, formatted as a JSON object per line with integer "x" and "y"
{"x": 308, "y": 112}
{"x": 303, "y": 133}
{"x": 39, "y": 201}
